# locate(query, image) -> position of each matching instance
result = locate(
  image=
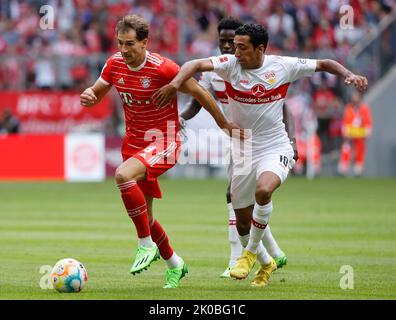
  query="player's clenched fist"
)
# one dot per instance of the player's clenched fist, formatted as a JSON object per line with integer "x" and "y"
{"x": 360, "y": 82}
{"x": 88, "y": 98}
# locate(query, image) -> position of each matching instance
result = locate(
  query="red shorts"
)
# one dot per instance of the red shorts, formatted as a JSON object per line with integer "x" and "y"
{"x": 158, "y": 157}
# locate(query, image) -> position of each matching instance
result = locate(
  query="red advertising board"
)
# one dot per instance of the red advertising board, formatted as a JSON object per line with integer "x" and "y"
{"x": 31, "y": 157}
{"x": 54, "y": 112}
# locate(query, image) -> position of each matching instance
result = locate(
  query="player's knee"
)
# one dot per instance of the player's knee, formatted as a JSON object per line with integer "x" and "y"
{"x": 263, "y": 193}
{"x": 122, "y": 175}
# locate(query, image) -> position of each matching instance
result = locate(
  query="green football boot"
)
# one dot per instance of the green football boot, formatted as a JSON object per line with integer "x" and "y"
{"x": 281, "y": 260}
{"x": 226, "y": 273}
{"x": 173, "y": 276}
{"x": 144, "y": 257}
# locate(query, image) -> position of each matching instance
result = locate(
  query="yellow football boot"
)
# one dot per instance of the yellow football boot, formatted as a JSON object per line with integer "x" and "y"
{"x": 263, "y": 274}
{"x": 244, "y": 265}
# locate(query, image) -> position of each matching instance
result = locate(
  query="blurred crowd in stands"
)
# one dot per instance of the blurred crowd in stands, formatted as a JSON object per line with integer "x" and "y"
{"x": 85, "y": 29}
{"x": 71, "y": 55}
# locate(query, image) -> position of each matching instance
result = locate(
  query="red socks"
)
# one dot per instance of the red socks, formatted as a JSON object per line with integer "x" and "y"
{"x": 135, "y": 204}
{"x": 159, "y": 236}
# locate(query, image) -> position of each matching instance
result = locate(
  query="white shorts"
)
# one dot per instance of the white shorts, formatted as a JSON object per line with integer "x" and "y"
{"x": 243, "y": 187}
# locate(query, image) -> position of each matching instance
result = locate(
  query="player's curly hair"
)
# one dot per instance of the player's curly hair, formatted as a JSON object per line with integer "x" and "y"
{"x": 229, "y": 23}
{"x": 136, "y": 23}
{"x": 257, "y": 33}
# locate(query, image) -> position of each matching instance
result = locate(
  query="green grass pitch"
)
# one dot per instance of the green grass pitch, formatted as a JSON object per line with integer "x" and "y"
{"x": 321, "y": 225}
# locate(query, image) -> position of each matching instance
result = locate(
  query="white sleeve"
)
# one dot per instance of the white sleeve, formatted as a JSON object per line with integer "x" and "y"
{"x": 223, "y": 65}
{"x": 204, "y": 81}
{"x": 298, "y": 68}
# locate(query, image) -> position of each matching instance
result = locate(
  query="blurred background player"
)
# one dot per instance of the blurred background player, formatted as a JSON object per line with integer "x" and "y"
{"x": 256, "y": 86}
{"x": 212, "y": 82}
{"x": 9, "y": 123}
{"x": 152, "y": 142}
{"x": 356, "y": 128}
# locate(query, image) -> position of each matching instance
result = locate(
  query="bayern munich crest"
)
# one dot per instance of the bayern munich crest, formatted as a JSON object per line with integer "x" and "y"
{"x": 145, "y": 82}
{"x": 258, "y": 90}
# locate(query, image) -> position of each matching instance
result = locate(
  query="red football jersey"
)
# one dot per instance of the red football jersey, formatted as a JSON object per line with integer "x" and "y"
{"x": 144, "y": 123}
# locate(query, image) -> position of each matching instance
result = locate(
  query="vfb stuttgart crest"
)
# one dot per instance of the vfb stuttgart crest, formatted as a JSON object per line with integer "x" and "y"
{"x": 145, "y": 82}
{"x": 258, "y": 90}
{"x": 270, "y": 77}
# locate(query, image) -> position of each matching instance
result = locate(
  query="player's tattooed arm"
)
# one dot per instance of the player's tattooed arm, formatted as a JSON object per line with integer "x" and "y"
{"x": 331, "y": 66}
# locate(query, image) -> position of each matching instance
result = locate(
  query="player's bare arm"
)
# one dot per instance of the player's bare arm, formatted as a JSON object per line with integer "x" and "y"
{"x": 92, "y": 95}
{"x": 192, "y": 110}
{"x": 331, "y": 66}
{"x": 288, "y": 120}
{"x": 192, "y": 87}
{"x": 168, "y": 92}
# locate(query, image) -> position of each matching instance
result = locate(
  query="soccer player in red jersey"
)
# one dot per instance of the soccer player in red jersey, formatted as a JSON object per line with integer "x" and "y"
{"x": 152, "y": 141}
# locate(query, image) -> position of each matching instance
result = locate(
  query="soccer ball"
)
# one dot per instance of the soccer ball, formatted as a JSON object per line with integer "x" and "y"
{"x": 69, "y": 275}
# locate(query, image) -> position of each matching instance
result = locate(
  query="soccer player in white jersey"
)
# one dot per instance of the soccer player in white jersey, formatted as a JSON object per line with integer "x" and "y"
{"x": 256, "y": 86}
{"x": 212, "y": 82}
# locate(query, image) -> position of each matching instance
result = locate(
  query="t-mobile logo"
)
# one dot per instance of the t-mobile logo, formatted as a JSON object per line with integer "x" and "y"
{"x": 127, "y": 98}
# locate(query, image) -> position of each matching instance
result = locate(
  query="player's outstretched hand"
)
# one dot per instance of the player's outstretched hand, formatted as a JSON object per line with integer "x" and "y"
{"x": 234, "y": 131}
{"x": 360, "y": 82}
{"x": 88, "y": 98}
{"x": 163, "y": 96}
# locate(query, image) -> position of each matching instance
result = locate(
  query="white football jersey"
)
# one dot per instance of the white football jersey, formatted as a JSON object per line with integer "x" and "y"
{"x": 212, "y": 82}
{"x": 256, "y": 96}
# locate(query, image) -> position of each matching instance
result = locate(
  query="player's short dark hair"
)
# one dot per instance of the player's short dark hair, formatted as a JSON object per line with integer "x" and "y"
{"x": 229, "y": 23}
{"x": 257, "y": 33}
{"x": 133, "y": 22}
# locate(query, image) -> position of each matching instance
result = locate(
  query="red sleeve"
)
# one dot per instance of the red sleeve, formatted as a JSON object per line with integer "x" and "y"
{"x": 169, "y": 70}
{"x": 106, "y": 71}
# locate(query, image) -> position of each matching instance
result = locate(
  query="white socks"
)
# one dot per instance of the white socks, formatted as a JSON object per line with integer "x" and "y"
{"x": 146, "y": 242}
{"x": 270, "y": 243}
{"x": 262, "y": 255}
{"x": 235, "y": 244}
{"x": 261, "y": 216}
{"x": 174, "y": 261}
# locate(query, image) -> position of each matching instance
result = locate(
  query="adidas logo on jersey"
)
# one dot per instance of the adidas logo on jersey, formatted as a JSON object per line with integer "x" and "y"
{"x": 121, "y": 81}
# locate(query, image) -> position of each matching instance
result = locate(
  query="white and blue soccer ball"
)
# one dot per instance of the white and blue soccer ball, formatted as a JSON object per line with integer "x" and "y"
{"x": 69, "y": 275}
